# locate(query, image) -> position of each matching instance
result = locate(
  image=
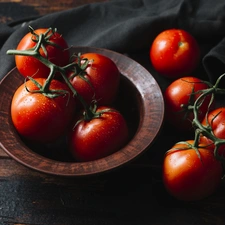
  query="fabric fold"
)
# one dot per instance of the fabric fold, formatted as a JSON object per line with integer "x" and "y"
{"x": 130, "y": 26}
{"x": 214, "y": 61}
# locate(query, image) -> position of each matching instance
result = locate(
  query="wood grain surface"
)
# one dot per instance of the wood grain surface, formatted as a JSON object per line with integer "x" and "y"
{"x": 21, "y": 9}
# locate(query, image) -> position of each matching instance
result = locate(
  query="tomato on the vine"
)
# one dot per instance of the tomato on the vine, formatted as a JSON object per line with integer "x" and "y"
{"x": 55, "y": 50}
{"x": 41, "y": 118}
{"x": 99, "y": 81}
{"x": 174, "y": 53}
{"x": 188, "y": 176}
{"x": 216, "y": 120}
{"x": 98, "y": 137}
{"x": 178, "y": 95}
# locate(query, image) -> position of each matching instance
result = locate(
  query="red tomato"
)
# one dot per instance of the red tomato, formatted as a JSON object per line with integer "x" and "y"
{"x": 174, "y": 53}
{"x": 178, "y": 95}
{"x": 186, "y": 176}
{"x": 103, "y": 80}
{"x": 57, "y": 54}
{"x": 98, "y": 137}
{"x": 40, "y": 118}
{"x": 215, "y": 119}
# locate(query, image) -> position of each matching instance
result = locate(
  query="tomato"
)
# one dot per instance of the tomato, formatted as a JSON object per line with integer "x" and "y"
{"x": 186, "y": 176}
{"x": 215, "y": 119}
{"x": 57, "y": 54}
{"x": 174, "y": 53}
{"x": 178, "y": 95}
{"x": 39, "y": 118}
{"x": 101, "y": 80}
{"x": 99, "y": 137}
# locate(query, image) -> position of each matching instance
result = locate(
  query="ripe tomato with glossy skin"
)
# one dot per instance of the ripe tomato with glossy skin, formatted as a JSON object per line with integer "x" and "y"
{"x": 178, "y": 95}
{"x": 98, "y": 137}
{"x": 215, "y": 119}
{"x": 40, "y": 118}
{"x": 174, "y": 53}
{"x": 103, "y": 80}
{"x": 186, "y": 176}
{"x": 57, "y": 54}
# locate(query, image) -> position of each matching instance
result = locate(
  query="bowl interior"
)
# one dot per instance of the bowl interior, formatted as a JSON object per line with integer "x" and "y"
{"x": 139, "y": 100}
{"x": 128, "y": 102}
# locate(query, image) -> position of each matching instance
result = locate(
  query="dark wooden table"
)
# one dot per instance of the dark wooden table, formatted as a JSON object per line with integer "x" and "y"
{"x": 132, "y": 195}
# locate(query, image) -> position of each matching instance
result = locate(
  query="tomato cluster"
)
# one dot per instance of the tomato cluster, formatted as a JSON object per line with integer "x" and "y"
{"x": 72, "y": 96}
{"x": 67, "y": 96}
{"x": 191, "y": 169}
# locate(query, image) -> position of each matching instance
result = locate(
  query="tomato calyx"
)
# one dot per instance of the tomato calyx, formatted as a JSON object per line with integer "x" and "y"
{"x": 44, "y": 89}
{"x": 180, "y": 43}
{"x": 45, "y": 38}
{"x": 79, "y": 68}
{"x": 187, "y": 146}
{"x": 41, "y": 41}
{"x": 91, "y": 113}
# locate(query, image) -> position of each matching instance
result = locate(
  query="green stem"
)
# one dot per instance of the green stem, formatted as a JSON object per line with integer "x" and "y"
{"x": 41, "y": 40}
{"x": 207, "y": 130}
{"x": 75, "y": 93}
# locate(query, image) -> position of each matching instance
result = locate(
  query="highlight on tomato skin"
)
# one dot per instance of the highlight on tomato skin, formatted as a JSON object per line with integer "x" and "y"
{"x": 174, "y": 53}
{"x": 188, "y": 176}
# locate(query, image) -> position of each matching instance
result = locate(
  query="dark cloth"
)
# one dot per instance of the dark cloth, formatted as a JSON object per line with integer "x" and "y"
{"x": 129, "y": 26}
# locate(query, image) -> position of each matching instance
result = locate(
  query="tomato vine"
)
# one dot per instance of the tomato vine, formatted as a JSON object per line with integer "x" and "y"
{"x": 77, "y": 68}
{"x": 206, "y": 130}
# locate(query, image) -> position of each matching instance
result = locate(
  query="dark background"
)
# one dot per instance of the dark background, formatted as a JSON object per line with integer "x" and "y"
{"x": 134, "y": 194}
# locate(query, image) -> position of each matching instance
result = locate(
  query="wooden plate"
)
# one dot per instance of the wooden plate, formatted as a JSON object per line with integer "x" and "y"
{"x": 139, "y": 99}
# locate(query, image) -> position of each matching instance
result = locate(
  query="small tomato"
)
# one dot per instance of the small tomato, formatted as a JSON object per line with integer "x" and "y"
{"x": 100, "y": 80}
{"x": 178, "y": 96}
{"x": 174, "y": 53}
{"x": 188, "y": 176}
{"x": 98, "y": 137}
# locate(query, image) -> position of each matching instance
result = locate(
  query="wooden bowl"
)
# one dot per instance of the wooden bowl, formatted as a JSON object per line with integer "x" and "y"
{"x": 139, "y": 99}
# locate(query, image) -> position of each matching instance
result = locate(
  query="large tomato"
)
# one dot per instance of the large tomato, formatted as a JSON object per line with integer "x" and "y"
{"x": 178, "y": 95}
{"x": 57, "y": 53}
{"x": 99, "y": 137}
{"x": 215, "y": 119}
{"x": 187, "y": 176}
{"x": 174, "y": 53}
{"x": 38, "y": 117}
{"x": 100, "y": 79}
